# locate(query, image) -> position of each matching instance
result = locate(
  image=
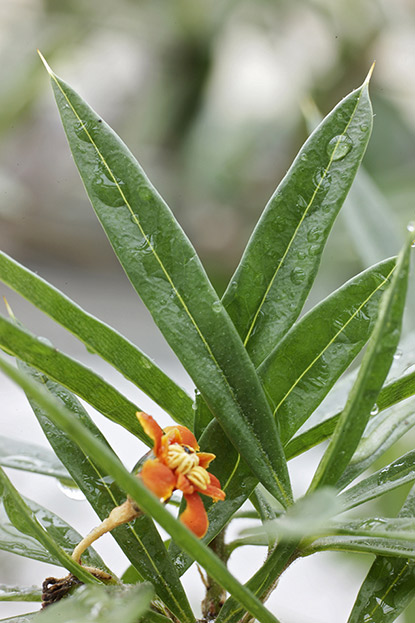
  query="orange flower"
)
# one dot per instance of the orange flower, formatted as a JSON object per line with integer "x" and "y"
{"x": 178, "y": 464}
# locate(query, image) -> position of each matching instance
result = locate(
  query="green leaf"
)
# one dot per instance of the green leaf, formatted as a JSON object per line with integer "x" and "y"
{"x": 73, "y": 375}
{"x": 23, "y": 618}
{"x": 396, "y": 474}
{"x": 262, "y": 582}
{"x": 32, "y": 531}
{"x": 265, "y": 507}
{"x": 139, "y": 540}
{"x": 30, "y": 457}
{"x": 64, "y": 420}
{"x": 389, "y": 585}
{"x": 276, "y": 272}
{"x": 165, "y": 270}
{"x": 100, "y": 338}
{"x": 380, "y": 434}
{"x": 391, "y": 394}
{"x": 390, "y": 546}
{"x": 100, "y": 604}
{"x": 401, "y": 528}
{"x": 309, "y": 516}
{"x": 317, "y": 350}
{"x": 203, "y": 415}
{"x": 372, "y": 373}
{"x": 20, "y": 593}
{"x": 397, "y": 391}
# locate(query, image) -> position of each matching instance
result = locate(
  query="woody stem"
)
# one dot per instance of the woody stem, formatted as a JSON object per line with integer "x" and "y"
{"x": 215, "y": 594}
{"x": 118, "y": 516}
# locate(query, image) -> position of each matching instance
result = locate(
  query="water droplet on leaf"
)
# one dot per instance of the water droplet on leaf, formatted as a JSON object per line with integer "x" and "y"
{"x": 297, "y": 276}
{"x": 217, "y": 306}
{"x": 322, "y": 179}
{"x": 109, "y": 190}
{"x": 44, "y": 340}
{"x": 84, "y": 131}
{"x": 314, "y": 249}
{"x": 375, "y": 410}
{"x": 145, "y": 193}
{"x": 339, "y": 146}
{"x": 71, "y": 491}
{"x": 314, "y": 234}
{"x": 301, "y": 204}
{"x": 398, "y": 354}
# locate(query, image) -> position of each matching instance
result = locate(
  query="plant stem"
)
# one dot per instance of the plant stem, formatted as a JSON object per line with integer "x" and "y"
{"x": 215, "y": 593}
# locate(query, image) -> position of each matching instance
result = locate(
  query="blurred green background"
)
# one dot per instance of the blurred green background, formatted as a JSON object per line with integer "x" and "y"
{"x": 211, "y": 97}
{"x": 214, "y": 98}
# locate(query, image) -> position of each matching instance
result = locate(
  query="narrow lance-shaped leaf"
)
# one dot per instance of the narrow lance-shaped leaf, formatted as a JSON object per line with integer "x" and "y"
{"x": 30, "y": 457}
{"x": 99, "y": 338}
{"x": 395, "y": 475}
{"x": 390, "y": 395}
{"x": 389, "y": 585}
{"x": 266, "y": 510}
{"x": 101, "y": 604}
{"x": 24, "y": 519}
{"x": 64, "y": 420}
{"x": 308, "y": 516}
{"x": 321, "y": 345}
{"x": 381, "y": 433}
{"x": 373, "y": 228}
{"x": 277, "y": 270}
{"x": 299, "y": 373}
{"x": 20, "y": 593}
{"x": 139, "y": 540}
{"x": 165, "y": 270}
{"x": 372, "y": 373}
{"x": 23, "y": 618}
{"x": 78, "y": 378}
{"x": 401, "y": 528}
{"x": 378, "y": 545}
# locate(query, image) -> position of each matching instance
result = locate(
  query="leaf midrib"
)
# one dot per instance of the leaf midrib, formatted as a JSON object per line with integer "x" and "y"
{"x": 170, "y": 281}
{"x": 333, "y": 339}
{"x": 309, "y": 205}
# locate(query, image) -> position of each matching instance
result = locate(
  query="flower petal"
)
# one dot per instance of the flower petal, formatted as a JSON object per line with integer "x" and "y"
{"x": 184, "y": 484}
{"x": 205, "y": 458}
{"x": 194, "y": 516}
{"x": 213, "y": 489}
{"x": 181, "y": 434}
{"x": 152, "y": 429}
{"x": 158, "y": 478}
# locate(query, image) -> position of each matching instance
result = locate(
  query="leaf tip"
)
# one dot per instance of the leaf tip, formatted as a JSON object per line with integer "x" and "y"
{"x": 369, "y": 75}
{"x": 411, "y": 235}
{"x": 9, "y": 309}
{"x": 42, "y": 58}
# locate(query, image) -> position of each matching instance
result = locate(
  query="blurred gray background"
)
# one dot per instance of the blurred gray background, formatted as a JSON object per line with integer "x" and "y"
{"x": 214, "y": 99}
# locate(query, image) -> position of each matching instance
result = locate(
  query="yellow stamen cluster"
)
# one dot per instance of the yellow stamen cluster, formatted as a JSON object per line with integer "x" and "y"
{"x": 199, "y": 477}
{"x": 184, "y": 460}
{"x": 181, "y": 458}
